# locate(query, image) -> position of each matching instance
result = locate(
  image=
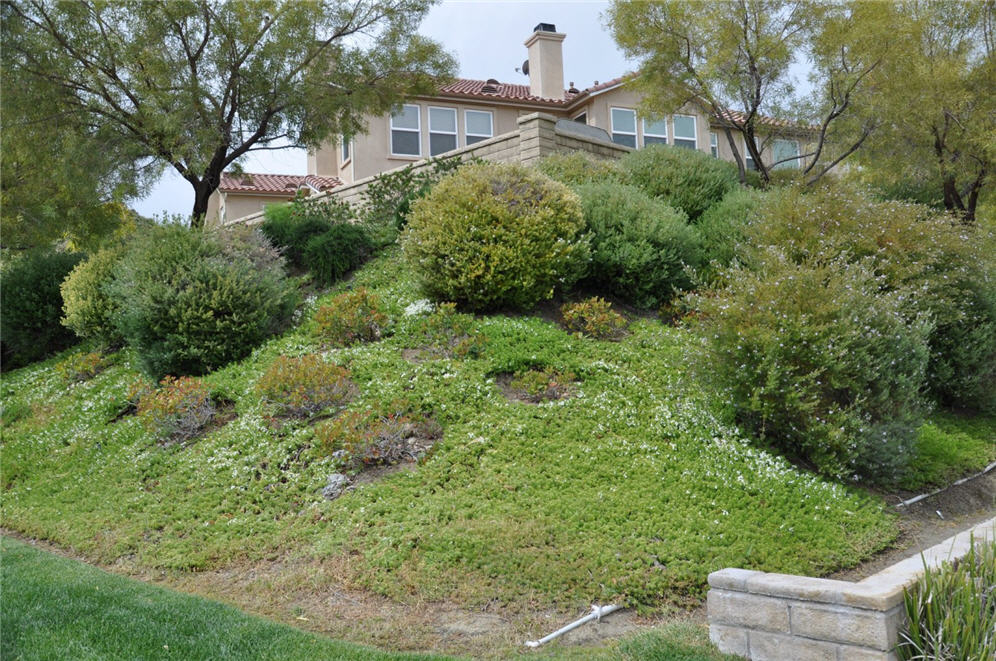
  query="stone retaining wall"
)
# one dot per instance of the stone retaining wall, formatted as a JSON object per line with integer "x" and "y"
{"x": 779, "y": 617}
{"x": 537, "y": 136}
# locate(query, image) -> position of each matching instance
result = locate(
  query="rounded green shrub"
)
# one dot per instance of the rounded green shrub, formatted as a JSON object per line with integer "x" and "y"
{"x": 946, "y": 264}
{"x": 578, "y": 168}
{"x": 640, "y": 247}
{"x": 724, "y": 225}
{"x": 31, "y": 305}
{"x": 683, "y": 178}
{"x": 819, "y": 363}
{"x": 291, "y": 233}
{"x": 189, "y": 301}
{"x": 493, "y": 235}
{"x": 336, "y": 251}
{"x": 87, "y": 308}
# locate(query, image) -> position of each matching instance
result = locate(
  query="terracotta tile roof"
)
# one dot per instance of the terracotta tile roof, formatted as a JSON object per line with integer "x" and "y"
{"x": 737, "y": 116}
{"x": 249, "y": 182}
{"x": 492, "y": 89}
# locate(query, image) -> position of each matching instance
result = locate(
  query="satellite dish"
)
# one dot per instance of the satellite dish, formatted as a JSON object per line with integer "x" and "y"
{"x": 525, "y": 67}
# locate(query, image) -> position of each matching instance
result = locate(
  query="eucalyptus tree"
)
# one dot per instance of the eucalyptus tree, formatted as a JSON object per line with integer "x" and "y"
{"x": 198, "y": 84}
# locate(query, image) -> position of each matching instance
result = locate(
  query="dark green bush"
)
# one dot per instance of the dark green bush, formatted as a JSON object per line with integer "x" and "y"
{"x": 640, "y": 247}
{"x": 31, "y": 305}
{"x": 947, "y": 265}
{"x": 87, "y": 307}
{"x": 189, "y": 301}
{"x": 495, "y": 235}
{"x": 724, "y": 225}
{"x": 819, "y": 363}
{"x": 683, "y": 178}
{"x": 293, "y": 225}
{"x": 336, "y": 251}
{"x": 578, "y": 168}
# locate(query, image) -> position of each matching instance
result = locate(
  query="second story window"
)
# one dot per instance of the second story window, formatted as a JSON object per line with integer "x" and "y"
{"x": 785, "y": 154}
{"x": 442, "y": 130}
{"x": 406, "y": 132}
{"x": 654, "y": 132}
{"x": 478, "y": 125}
{"x": 684, "y": 132}
{"x": 713, "y": 144}
{"x": 343, "y": 148}
{"x": 624, "y": 126}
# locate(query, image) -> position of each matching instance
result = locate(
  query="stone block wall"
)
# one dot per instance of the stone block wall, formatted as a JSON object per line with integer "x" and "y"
{"x": 779, "y": 617}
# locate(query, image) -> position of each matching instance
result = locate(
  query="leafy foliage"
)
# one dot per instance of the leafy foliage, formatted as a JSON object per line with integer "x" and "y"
{"x": 496, "y": 235}
{"x": 640, "y": 247}
{"x": 578, "y": 167}
{"x": 177, "y": 410}
{"x": 542, "y": 385}
{"x": 86, "y": 303}
{"x": 80, "y": 367}
{"x": 450, "y": 333}
{"x": 189, "y": 302}
{"x": 350, "y": 318}
{"x": 388, "y": 199}
{"x": 685, "y": 179}
{"x": 31, "y": 304}
{"x": 336, "y": 251}
{"x": 372, "y": 437}
{"x": 950, "y": 610}
{"x": 304, "y": 386}
{"x": 819, "y": 362}
{"x": 595, "y": 318}
{"x": 724, "y": 225}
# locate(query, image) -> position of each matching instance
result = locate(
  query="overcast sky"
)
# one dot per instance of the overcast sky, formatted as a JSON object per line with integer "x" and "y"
{"x": 487, "y": 40}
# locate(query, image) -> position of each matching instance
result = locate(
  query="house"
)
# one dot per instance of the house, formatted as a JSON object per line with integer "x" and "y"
{"x": 465, "y": 112}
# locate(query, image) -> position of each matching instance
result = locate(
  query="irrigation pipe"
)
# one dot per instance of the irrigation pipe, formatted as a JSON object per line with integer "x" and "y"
{"x": 963, "y": 480}
{"x": 596, "y": 614}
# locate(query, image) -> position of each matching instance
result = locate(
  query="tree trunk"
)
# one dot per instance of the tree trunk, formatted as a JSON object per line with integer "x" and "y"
{"x": 202, "y": 195}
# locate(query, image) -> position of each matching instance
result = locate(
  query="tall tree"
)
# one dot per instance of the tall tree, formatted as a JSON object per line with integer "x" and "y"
{"x": 935, "y": 104}
{"x": 198, "y": 84}
{"x": 733, "y": 57}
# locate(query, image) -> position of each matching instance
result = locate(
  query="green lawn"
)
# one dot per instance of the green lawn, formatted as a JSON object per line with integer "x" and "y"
{"x": 630, "y": 491}
{"x": 55, "y": 608}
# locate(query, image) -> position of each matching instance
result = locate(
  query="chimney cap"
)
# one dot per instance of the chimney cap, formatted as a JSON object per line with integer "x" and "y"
{"x": 545, "y": 27}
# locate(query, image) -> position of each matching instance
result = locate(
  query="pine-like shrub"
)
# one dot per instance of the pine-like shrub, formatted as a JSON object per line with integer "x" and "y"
{"x": 176, "y": 411}
{"x": 495, "y": 235}
{"x": 291, "y": 233}
{"x": 819, "y": 362}
{"x": 947, "y": 266}
{"x": 685, "y": 179}
{"x": 31, "y": 305}
{"x": 578, "y": 168}
{"x": 189, "y": 301}
{"x": 724, "y": 225}
{"x": 351, "y": 317}
{"x": 595, "y": 318}
{"x": 302, "y": 387}
{"x": 87, "y": 307}
{"x": 336, "y": 251}
{"x": 640, "y": 247}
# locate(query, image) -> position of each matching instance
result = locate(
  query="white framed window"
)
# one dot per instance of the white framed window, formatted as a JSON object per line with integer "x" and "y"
{"x": 623, "y": 126}
{"x": 344, "y": 149}
{"x": 442, "y": 130}
{"x": 713, "y": 144}
{"x": 684, "y": 132}
{"x": 782, "y": 150}
{"x": 478, "y": 125}
{"x": 748, "y": 161}
{"x": 406, "y": 131}
{"x": 654, "y": 131}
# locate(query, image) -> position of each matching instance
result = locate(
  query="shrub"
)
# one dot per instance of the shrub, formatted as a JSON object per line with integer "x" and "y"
{"x": 176, "y": 411}
{"x": 496, "y": 235}
{"x": 640, "y": 246}
{"x": 351, "y": 317}
{"x": 578, "y": 168}
{"x": 335, "y": 252}
{"x": 189, "y": 301}
{"x": 819, "y": 363}
{"x": 87, "y": 307}
{"x": 541, "y": 385}
{"x": 292, "y": 233}
{"x": 80, "y": 367}
{"x": 723, "y": 226}
{"x": 387, "y": 200}
{"x": 31, "y": 305}
{"x": 946, "y": 264}
{"x": 683, "y": 178}
{"x": 372, "y": 437}
{"x": 595, "y": 318}
{"x": 454, "y": 334}
{"x": 951, "y": 610}
{"x": 302, "y": 387}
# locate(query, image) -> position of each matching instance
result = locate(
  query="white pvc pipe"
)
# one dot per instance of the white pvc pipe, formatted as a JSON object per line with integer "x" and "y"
{"x": 596, "y": 614}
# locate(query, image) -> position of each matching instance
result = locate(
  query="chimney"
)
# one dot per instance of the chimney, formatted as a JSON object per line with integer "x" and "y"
{"x": 546, "y": 62}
